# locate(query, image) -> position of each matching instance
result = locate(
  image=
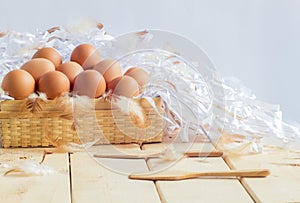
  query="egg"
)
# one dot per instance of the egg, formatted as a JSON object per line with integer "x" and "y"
{"x": 110, "y": 69}
{"x": 124, "y": 86}
{"x": 86, "y": 55}
{"x": 53, "y": 84}
{"x": 139, "y": 74}
{"x": 112, "y": 84}
{"x": 71, "y": 70}
{"x": 18, "y": 83}
{"x": 38, "y": 67}
{"x": 89, "y": 83}
{"x": 49, "y": 53}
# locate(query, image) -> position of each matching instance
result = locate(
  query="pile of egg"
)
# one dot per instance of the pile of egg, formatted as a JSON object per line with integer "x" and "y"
{"x": 85, "y": 74}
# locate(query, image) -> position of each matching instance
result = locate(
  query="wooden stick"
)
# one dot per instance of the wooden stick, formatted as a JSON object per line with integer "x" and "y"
{"x": 203, "y": 154}
{"x": 158, "y": 155}
{"x": 181, "y": 175}
{"x": 128, "y": 156}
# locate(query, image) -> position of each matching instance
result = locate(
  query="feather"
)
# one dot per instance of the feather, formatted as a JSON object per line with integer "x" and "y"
{"x": 237, "y": 145}
{"x": 66, "y": 103}
{"x": 55, "y": 141}
{"x": 34, "y": 103}
{"x": 62, "y": 146}
{"x": 27, "y": 167}
{"x": 74, "y": 107}
{"x": 68, "y": 147}
{"x": 132, "y": 108}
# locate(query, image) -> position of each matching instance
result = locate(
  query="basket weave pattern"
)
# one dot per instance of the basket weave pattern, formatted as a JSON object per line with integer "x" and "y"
{"x": 106, "y": 123}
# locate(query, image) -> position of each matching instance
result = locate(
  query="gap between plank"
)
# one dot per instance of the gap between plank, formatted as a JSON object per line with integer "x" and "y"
{"x": 246, "y": 188}
{"x": 156, "y": 186}
{"x": 231, "y": 167}
{"x": 70, "y": 177}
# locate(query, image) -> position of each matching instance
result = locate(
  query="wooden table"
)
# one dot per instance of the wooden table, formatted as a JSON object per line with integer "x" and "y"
{"x": 80, "y": 179}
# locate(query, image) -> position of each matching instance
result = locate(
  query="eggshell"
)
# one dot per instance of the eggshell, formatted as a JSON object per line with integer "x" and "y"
{"x": 124, "y": 86}
{"x": 112, "y": 84}
{"x": 110, "y": 69}
{"x": 71, "y": 70}
{"x": 49, "y": 53}
{"x": 18, "y": 83}
{"x": 86, "y": 55}
{"x": 90, "y": 83}
{"x": 53, "y": 84}
{"x": 139, "y": 74}
{"x": 38, "y": 67}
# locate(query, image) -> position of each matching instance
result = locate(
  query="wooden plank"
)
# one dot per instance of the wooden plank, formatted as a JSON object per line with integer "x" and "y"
{"x": 179, "y": 147}
{"x": 197, "y": 190}
{"x": 92, "y": 182}
{"x": 174, "y": 150}
{"x": 17, "y": 187}
{"x": 106, "y": 151}
{"x": 283, "y": 184}
{"x": 115, "y": 149}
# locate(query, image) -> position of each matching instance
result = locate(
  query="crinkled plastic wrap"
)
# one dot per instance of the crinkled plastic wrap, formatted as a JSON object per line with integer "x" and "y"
{"x": 196, "y": 100}
{"x": 250, "y": 124}
{"x": 181, "y": 74}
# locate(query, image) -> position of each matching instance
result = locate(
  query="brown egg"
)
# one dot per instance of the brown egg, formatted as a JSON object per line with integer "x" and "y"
{"x": 112, "y": 84}
{"x": 140, "y": 75}
{"x": 86, "y": 55}
{"x": 53, "y": 84}
{"x": 18, "y": 83}
{"x": 110, "y": 69}
{"x": 49, "y": 53}
{"x": 124, "y": 86}
{"x": 71, "y": 70}
{"x": 90, "y": 83}
{"x": 38, "y": 67}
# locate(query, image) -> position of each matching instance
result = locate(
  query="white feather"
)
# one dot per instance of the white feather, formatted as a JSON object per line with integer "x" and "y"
{"x": 130, "y": 107}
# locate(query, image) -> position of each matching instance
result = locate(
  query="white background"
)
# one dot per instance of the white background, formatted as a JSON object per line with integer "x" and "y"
{"x": 257, "y": 41}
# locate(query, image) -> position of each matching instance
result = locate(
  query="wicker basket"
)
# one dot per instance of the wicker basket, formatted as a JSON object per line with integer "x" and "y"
{"x": 19, "y": 128}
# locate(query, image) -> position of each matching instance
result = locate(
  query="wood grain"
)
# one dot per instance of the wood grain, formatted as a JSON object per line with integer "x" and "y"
{"x": 18, "y": 187}
{"x": 197, "y": 190}
{"x": 283, "y": 185}
{"x": 180, "y": 147}
{"x": 91, "y": 182}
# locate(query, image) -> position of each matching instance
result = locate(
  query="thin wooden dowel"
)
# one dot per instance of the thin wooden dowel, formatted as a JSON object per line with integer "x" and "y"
{"x": 158, "y": 155}
{"x": 182, "y": 175}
